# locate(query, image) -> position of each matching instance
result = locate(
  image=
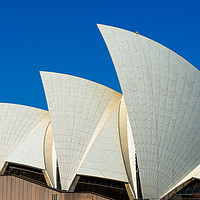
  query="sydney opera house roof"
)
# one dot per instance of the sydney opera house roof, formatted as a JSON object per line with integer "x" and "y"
{"x": 143, "y": 143}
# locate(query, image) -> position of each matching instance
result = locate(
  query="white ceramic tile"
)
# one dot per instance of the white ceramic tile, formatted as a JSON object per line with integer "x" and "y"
{"x": 75, "y": 111}
{"x": 161, "y": 92}
{"x": 18, "y": 123}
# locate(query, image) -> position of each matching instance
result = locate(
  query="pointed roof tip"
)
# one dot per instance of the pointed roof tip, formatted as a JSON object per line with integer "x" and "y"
{"x": 101, "y": 25}
{"x": 116, "y": 28}
{"x": 42, "y": 72}
{"x": 48, "y": 72}
{"x": 75, "y": 77}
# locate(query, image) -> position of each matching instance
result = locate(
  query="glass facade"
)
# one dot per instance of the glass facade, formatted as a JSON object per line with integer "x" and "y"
{"x": 105, "y": 187}
{"x": 189, "y": 192}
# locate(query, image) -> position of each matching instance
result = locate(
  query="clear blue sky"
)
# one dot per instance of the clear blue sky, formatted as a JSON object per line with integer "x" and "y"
{"x": 62, "y": 36}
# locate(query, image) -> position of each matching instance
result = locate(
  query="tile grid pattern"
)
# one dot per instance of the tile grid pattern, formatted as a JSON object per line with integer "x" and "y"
{"x": 16, "y": 122}
{"x": 162, "y": 92}
{"x": 105, "y": 157}
{"x": 76, "y": 106}
{"x": 30, "y": 151}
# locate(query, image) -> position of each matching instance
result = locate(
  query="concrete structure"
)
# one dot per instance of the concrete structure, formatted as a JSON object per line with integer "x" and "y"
{"x": 162, "y": 94}
{"x": 14, "y": 188}
{"x": 84, "y": 117}
{"x": 142, "y": 144}
{"x": 19, "y": 127}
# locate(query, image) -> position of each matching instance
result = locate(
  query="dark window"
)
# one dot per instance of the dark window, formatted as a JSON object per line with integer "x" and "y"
{"x": 107, "y": 188}
{"x": 189, "y": 192}
{"x": 26, "y": 172}
{"x": 58, "y": 177}
{"x": 139, "y": 190}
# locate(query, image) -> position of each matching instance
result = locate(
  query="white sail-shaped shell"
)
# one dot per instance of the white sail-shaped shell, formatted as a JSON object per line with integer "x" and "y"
{"x": 76, "y": 107}
{"x": 20, "y": 127}
{"x": 162, "y": 95}
{"x": 30, "y": 152}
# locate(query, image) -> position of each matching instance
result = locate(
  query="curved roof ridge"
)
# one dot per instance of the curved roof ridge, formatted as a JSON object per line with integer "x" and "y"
{"x": 16, "y": 104}
{"x": 76, "y": 106}
{"x": 80, "y": 79}
{"x": 161, "y": 91}
{"x": 17, "y": 122}
{"x": 98, "y": 25}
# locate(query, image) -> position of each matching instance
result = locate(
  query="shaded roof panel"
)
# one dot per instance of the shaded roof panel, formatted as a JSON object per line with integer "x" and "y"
{"x": 30, "y": 151}
{"x": 16, "y": 123}
{"x": 50, "y": 156}
{"x": 76, "y": 106}
{"x": 104, "y": 159}
{"x": 127, "y": 145}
